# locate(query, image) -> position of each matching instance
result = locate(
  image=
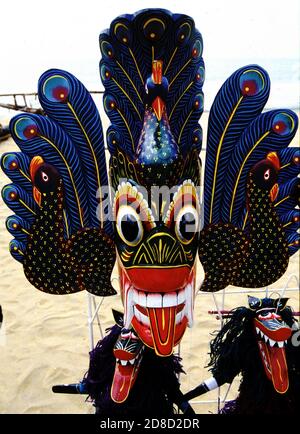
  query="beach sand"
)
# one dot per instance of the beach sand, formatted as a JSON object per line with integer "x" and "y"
{"x": 44, "y": 339}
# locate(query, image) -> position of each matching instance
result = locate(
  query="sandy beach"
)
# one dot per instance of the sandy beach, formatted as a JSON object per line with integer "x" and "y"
{"x": 44, "y": 339}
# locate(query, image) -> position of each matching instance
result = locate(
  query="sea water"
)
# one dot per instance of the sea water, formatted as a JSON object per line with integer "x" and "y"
{"x": 284, "y": 75}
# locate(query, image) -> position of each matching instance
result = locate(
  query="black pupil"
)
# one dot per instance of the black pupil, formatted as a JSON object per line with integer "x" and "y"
{"x": 187, "y": 225}
{"x": 129, "y": 227}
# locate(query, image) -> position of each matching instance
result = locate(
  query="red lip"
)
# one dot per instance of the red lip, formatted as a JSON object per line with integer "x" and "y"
{"x": 159, "y": 279}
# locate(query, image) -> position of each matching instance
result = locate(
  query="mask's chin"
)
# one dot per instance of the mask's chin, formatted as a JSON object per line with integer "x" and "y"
{"x": 161, "y": 317}
{"x": 272, "y": 339}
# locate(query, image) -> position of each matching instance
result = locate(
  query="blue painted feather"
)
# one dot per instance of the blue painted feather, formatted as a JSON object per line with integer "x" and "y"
{"x": 238, "y": 102}
{"x": 65, "y": 99}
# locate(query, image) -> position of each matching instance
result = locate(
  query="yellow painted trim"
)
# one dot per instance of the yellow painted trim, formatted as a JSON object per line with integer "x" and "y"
{"x": 183, "y": 126}
{"x": 66, "y": 223}
{"x": 170, "y": 61}
{"x": 175, "y": 105}
{"x": 126, "y": 94}
{"x": 282, "y": 200}
{"x": 136, "y": 65}
{"x": 127, "y": 126}
{"x": 26, "y": 206}
{"x": 24, "y": 174}
{"x": 180, "y": 71}
{"x": 133, "y": 85}
{"x": 245, "y": 220}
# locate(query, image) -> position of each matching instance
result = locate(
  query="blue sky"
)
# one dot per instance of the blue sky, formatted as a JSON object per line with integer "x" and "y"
{"x": 37, "y": 35}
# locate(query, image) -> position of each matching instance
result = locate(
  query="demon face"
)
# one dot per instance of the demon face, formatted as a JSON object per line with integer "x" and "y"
{"x": 156, "y": 250}
{"x": 272, "y": 335}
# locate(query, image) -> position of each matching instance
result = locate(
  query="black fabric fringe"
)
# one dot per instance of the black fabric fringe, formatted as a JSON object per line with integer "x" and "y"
{"x": 235, "y": 351}
{"x": 156, "y": 388}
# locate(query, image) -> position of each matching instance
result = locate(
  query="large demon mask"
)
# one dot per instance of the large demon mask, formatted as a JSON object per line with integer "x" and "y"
{"x": 156, "y": 213}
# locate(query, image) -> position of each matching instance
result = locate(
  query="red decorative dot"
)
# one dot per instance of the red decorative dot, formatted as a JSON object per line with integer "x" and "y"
{"x": 30, "y": 131}
{"x": 249, "y": 88}
{"x": 280, "y": 127}
{"x": 13, "y": 165}
{"x": 195, "y": 52}
{"x": 60, "y": 93}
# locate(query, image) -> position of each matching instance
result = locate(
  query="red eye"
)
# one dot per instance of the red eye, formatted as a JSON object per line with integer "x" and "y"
{"x": 267, "y": 174}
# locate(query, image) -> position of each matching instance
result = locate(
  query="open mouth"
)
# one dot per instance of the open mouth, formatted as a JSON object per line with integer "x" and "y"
{"x": 159, "y": 318}
{"x": 271, "y": 342}
{"x": 129, "y": 354}
{"x": 273, "y": 336}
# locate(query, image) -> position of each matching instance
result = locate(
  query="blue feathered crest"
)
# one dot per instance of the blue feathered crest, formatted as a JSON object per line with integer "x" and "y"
{"x": 128, "y": 49}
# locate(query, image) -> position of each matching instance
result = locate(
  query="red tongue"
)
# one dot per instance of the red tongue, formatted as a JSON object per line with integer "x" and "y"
{"x": 280, "y": 376}
{"x": 122, "y": 382}
{"x": 162, "y": 325}
{"x": 275, "y": 366}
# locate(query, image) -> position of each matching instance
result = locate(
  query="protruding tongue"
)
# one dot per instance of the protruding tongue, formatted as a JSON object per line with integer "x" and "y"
{"x": 275, "y": 366}
{"x": 122, "y": 382}
{"x": 162, "y": 325}
{"x": 280, "y": 375}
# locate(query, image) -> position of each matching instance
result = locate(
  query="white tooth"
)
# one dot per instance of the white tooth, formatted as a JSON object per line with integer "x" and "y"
{"x": 257, "y": 330}
{"x": 169, "y": 299}
{"x": 142, "y": 299}
{"x": 141, "y": 317}
{"x": 123, "y": 362}
{"x": 128, "y": 313}
{"x": 285, "y": 342}
{"x": 189, "y": 304}
{"x": 266, "y": 338}
{"x": 272, "y": 343}
{"x": 118, "y": 360}
{"x": 132, "y": 361}
{"x": 181, "y": 296}
{"x": 145, "y": 319}
{"x": 137, "y": 314}
{"x": 261, "y": 333}
{"x": 280, "y": 344}
{"x": 154, "y": 300}
{"x": 135, "y": 296}
{"x": 179, "y": 317}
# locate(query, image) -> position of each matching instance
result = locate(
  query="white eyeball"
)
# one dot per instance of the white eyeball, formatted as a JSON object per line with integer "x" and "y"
{"x": 129, "y": 225}
{"x": 187, "y": 224}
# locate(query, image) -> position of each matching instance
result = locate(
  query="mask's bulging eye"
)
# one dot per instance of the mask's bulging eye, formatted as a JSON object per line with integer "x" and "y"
{"x": 267, "y": 175}
{"x": 187, "y": 223}
{"x": 129, "y": 225}
{"x": 45, "y": 177}
{"x": 265, "y": 316}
